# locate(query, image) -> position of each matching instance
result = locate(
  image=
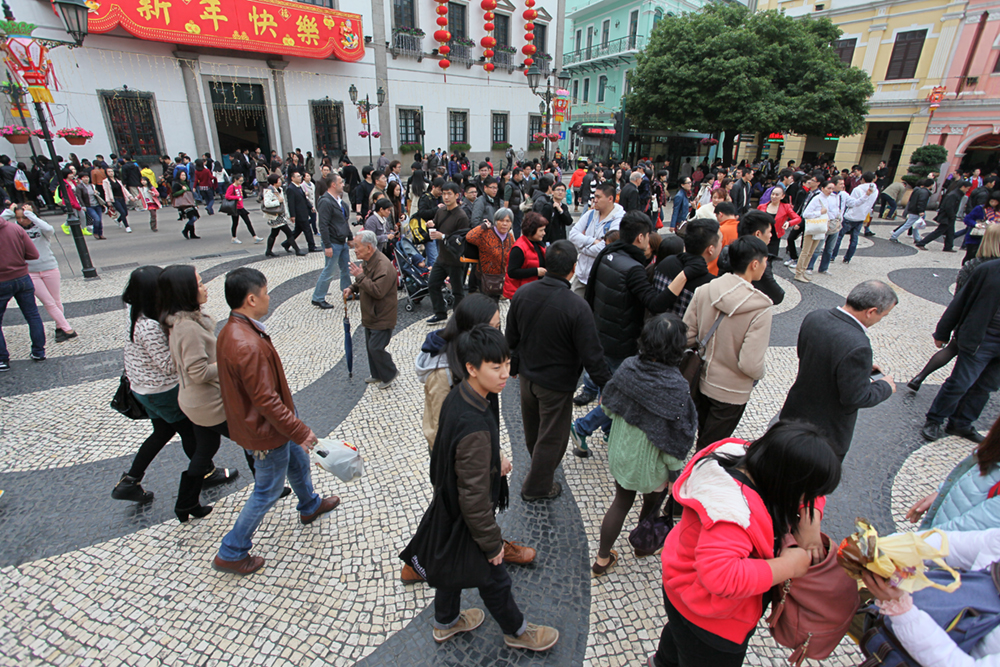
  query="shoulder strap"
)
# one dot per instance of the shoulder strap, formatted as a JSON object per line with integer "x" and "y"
{"x": 711, "y": 332}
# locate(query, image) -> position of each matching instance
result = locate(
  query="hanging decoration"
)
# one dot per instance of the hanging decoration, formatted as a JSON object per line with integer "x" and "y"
{"x": 529, "y": 49}
{"x": 488, "y": 42}
{"x": 27, "y": 59}
{"x": 442, "y": 36}
{"x": 560, "y": 108}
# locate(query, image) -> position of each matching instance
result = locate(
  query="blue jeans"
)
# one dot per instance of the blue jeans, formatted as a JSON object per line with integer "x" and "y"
{"x": 122, "y": 208}
{"x": 852, "y": 227}
{"x": 964, "y": 394}
{"x": 94, "y": 216}
{"x": 208, "y": 196}
{"x": 22, "y": 290}
{"x": 887, "y": 201}
{"x": 269, "y": 481}
{"x": 826, "y": 251}
{"x": 341, "y": 257}
{"x": 597, "y": 418}
{"x": 911, "y": 220}
{"x": 431, "y": 250}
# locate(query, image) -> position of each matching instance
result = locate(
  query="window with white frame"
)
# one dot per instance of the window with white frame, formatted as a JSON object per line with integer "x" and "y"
{"x": 409, "y": 129}
{"x": 602, "y": 84}
{"x": 499, "y": 128}
{"x": 458, "y": 127}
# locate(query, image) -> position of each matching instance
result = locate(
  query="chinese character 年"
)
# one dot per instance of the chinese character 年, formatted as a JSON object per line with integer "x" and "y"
{"x": 212, "y": 12}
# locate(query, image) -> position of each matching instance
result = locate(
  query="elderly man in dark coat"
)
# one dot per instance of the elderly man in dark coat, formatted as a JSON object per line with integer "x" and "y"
{"x": 376, "y": 283}
{"x": 836, "y": 371}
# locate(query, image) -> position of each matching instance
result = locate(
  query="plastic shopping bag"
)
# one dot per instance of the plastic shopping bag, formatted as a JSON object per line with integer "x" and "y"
{"x": 899, "y": 558}
{"x": 341, "y": 458}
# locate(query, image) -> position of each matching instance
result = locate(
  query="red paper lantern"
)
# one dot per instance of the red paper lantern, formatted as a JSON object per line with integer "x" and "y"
{"x": 529, "y": 3}
{"x": 488, "y": 27}
{"x": 488, "y": 5}
{"x": 529, "y": 27}
{"x": 488, "y": 16}
{"x": 488, "y": 53}
{"x": 525, "y": 72}
{"x": 444, "y": 49}
{"x": 530, "y": 14}
{"x": 489, "y": 67}
{"x": 442, "y": 36}
{"x": 487, "y": 42}
{"x": 529, "y": 37}
{"x": 442, "y": 10}
{"x": 528, "y": 49}
{"x": 529, "y": 61}
{"x": 444, "y": 63}
{"x": 442, "y": 21}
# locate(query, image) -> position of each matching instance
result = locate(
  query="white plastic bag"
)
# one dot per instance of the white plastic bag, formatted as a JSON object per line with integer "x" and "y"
{"x": 341, "y": 458}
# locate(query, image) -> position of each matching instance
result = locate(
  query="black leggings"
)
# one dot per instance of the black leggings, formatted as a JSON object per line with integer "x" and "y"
{"x": 242, "y": 213}
{"x": 163, "y": 431}
{"x": 970, "y": 251}
{"x": 938, "y": 360}
{"x": 683, "y": 645}
{"x": 209, "y": 438}
{"x": 614, "y": 518}
{"x": 274, "y": 234}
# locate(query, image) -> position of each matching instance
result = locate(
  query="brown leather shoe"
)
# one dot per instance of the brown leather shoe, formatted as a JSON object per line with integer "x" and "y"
{"x": 517, "y": 554}
{"x": 242, "y": 567}
{"x": 324, "y": 507}
{"x": 409, "y": 575}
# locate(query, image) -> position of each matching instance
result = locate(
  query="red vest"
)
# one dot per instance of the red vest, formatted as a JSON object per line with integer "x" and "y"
{"x": 510, "y": 285}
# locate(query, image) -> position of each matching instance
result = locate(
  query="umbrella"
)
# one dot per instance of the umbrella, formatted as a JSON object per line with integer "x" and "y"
{"x": 348, "y": 343}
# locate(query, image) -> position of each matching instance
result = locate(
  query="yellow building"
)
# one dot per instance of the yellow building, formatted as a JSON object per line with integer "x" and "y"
{"x": 905, "y": 46}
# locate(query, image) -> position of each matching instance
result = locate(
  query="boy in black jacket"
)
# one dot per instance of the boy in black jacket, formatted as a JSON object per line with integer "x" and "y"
{"x": 469, "y": 478}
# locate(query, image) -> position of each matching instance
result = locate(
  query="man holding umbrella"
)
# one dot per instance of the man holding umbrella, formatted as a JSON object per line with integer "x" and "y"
{"x": 376, "y": 283}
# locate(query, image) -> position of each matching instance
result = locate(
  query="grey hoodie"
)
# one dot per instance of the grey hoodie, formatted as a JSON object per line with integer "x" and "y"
{"x": 41, "y": 234}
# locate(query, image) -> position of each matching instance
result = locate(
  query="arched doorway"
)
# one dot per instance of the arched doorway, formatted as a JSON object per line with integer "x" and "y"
{"x": 982, "y": 153}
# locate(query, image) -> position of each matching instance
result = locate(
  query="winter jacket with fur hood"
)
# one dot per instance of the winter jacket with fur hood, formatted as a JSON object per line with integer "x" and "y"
{"x": 192, "y": 345}
{"x": 714, "y": 568}
{"x": 734, "y": 358}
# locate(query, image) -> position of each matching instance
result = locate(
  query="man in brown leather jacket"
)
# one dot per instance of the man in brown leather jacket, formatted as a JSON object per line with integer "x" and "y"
{"x": 262, "y": 420}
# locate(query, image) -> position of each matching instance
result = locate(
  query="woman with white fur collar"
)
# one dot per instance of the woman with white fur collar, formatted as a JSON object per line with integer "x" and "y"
{"x": 739, "y": 500}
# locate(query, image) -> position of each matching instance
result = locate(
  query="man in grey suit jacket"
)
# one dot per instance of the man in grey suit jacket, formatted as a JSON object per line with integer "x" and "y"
{"x": 835, "y": 376}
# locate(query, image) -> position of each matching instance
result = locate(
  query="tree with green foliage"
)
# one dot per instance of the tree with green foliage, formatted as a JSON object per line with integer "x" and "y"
{"x": 726, "y": 69}
{"x": 925, "y": 161}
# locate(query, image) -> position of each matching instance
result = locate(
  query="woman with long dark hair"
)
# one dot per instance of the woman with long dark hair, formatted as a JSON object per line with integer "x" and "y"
{"x": 150, "y": 369}
{"x": 235, "y": 193}
{"x": 977, "y": 221}
{"x": 183, "y": 201}
{"x": 526, "y": 262}
{"x": 191, "y": 336}
{"x": 739, "y": 501}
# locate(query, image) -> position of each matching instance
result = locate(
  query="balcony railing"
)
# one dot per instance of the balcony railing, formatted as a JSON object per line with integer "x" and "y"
{"x": 614, "y": 47}
{"x": 504, "y": 60}
{"x": 408, "y": 46}
{"x": 461, "y": 54}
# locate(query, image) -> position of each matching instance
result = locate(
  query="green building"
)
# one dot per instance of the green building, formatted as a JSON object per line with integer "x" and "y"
{"x": 601, "y": 40}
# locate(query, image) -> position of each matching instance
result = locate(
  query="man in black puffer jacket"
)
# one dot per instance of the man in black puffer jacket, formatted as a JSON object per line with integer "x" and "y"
{"x": 620, "y": 293}
{"x": 915, "y": 210}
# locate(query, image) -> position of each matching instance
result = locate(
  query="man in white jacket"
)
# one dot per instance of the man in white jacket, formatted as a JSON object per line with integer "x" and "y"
{"x": 590, "y": 230}
{"x": 860, "y": 203}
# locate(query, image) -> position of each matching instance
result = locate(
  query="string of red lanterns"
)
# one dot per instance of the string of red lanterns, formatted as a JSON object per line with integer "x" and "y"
{"x": 488, "y": 42}
{"x": 442, "y": 35}
{"x": 529, "y": 35}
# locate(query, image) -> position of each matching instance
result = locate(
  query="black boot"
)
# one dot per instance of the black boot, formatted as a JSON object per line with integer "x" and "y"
{"x": 184, "y": 231}
{"x": 128, "y": 488}
{"x": 193, "y": 235}
{"x": 269, "y": 248}
{"x": 188, "y": 499}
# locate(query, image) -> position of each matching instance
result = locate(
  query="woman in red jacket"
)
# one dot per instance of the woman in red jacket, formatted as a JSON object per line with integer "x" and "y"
{"x": 785, "y": 217}
{"x": 740, "y": 499}
{"x": 235, "y": 193}
{"x": 527, "y": 257}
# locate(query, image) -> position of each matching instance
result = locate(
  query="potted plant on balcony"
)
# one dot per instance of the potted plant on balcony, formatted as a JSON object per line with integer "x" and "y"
{"x": 75, "y": 136}
{"x": 500, "y": 146}
{"x": 535, "y": 146}
{"x": 407, "y": 30}
{"x": 17, "y": 134}
{"x": 412, "y": 147}
{"x": 463, "y": 41}
{"x": 458, "y": 148}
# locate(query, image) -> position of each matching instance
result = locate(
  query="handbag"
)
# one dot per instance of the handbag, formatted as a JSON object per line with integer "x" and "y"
{"x": 812, "y": 614}
{"x": 443, "y": 552}
{"x": 491, "y": 285}
{"x": 647, "y": 538}
{"x": 124, "y": 401}
{"x": 228, "y": 207}
{"x": 694, "y": 357}
{"x": 816, "y": 227}
{"x": 186, "y": 199}
{"x": 277, "y": 221}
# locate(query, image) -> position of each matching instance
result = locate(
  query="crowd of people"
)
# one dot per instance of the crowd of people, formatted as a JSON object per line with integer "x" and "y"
{"x": 605, "y": 298}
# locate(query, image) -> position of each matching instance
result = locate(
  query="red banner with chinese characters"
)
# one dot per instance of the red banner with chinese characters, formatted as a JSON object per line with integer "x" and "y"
{"x": 267, "y": 26}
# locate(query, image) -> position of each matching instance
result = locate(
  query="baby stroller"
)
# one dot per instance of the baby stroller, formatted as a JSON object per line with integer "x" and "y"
{"x": 414, "y": 277}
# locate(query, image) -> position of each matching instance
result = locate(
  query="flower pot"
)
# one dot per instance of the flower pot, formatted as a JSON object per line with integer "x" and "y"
{"x": 18, "y": 138}
{"x": 76, "y": 141}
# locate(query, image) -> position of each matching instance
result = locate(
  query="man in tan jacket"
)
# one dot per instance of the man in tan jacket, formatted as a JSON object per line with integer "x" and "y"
{"x": 376, "y": 283}
{"x": 734, "y": 356}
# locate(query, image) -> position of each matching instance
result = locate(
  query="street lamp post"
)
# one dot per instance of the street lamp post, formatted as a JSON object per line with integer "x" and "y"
{"x": 562, "y": 81}
{"x": 365, "y": 106}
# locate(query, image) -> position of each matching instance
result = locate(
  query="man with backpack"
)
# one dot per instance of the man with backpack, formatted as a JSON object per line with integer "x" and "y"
{"x": 448, "y": 220}
{"x": 423, "y": 220}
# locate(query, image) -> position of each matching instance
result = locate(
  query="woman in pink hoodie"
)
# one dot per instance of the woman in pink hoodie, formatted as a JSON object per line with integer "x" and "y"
{"x": 740, "y": 499}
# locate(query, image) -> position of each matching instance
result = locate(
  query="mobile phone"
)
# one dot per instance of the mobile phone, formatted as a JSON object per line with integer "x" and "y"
{"x": 877, "y": 375}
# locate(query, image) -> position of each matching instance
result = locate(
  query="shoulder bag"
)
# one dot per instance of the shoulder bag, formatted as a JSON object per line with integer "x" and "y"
{"x": 228, "y": 207}
{"x": 647, "y": 538}
{"x": 694, "y": 357}
{"x": 124, "y": 401}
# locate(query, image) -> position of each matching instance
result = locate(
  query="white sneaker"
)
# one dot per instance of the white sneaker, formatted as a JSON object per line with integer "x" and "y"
{"x": 809, "y": 271}
{"x": 257, "y": 240}
{"x": 237, "y": 241}
{"x": 128, "y": 230}
{"x": 790, "y": 262}
{"x": 826, "y": 273}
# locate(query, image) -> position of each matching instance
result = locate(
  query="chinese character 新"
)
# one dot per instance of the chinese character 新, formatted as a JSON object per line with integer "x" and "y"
{"x": 263, "y": 21}
{"x": 212, "y": 12}
{"x": 308, "y": 30}
{"x": 151, "y": 9}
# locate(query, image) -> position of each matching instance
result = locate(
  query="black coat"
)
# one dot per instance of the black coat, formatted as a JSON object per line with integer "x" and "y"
{"x": 948, "y": 209}
{"x": 978, "y": 197}
{"x": 918, "y": 201}
{"x": 619, "y": 291}
{"x": 629, "y": 197}
{"x": 552, "y": 336}
{"x": 132, "y": 175}
{"x": 834, "y": 378}
{"x": 741, "y": 196}
{"x": 298, "y": 205}
{"x": 973, "y": 308}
